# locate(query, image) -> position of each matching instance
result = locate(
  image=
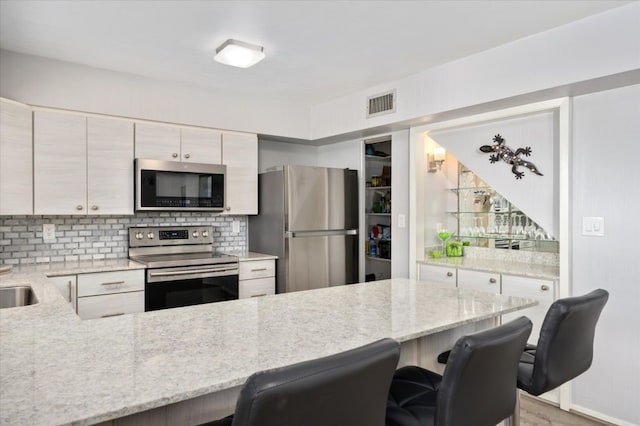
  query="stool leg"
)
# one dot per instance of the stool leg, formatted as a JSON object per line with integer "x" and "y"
{"x": 514, "y": 419}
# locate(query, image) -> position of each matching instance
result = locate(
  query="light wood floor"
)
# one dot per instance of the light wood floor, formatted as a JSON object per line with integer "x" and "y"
{"x": 534, "y": 412}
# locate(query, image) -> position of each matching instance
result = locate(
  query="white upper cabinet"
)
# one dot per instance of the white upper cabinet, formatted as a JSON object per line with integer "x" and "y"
{"x": 173, "y": 143}
{"x": 83, "y": 165}
{"x": 109, "y": 166}
{"x": 60, "y": 163}
{"x": 240, "y": 155}
{"x": 16, "y": 164}
{"x": 201, "y": 146}
{"x": 157, "y": 142}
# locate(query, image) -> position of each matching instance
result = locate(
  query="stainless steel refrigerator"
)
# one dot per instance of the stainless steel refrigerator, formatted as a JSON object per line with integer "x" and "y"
{"x": 308, "y": 217}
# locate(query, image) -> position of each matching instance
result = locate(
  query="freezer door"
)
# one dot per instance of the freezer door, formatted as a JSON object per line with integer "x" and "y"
{"x": 320, "y": 198}
{"x": 321, "y": 261}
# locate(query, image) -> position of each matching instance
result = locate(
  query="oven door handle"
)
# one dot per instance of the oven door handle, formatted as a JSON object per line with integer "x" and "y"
{"x": 191, "y": 272}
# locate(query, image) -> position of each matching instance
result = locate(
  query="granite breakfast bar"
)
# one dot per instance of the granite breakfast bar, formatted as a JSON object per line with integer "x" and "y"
{"x": 186, "y": 365}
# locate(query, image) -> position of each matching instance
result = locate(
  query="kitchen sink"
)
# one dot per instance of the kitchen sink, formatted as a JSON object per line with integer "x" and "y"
{"x": 12, "y": 297}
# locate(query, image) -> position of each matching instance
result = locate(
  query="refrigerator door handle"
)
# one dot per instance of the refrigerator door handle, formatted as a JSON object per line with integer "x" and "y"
{"x": 324, "y": 233}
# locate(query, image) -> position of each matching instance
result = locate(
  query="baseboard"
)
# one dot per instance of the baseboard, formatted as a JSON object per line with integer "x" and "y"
{"x": 599, "y": 416}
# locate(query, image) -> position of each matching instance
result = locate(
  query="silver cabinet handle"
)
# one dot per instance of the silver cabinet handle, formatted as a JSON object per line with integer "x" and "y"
{"x": 79, "y": 207}
{"x": 187, "y": 156}
{"x": 258, "y": 269}
{"x": 492, "y": 280}
{"x": 112, "y": 315}
{"x": 195, "y": 271}
{"x": 94, "y": 207}
{"x": 113, "y": 283}
{"x": 544, "y": 287}
{"x": 259, "y": 295}
{"x": 449, "y": 274}
{"x": 174, "y": 155}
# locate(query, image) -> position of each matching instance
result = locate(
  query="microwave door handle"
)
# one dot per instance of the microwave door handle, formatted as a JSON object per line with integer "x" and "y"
{"x": 189, "y": 272}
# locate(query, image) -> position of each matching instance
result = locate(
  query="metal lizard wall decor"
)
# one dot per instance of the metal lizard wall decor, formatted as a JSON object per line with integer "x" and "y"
{"x": 508, "y": 156}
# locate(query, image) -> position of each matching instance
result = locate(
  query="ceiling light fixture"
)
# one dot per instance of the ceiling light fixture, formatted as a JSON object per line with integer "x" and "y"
{"x": 239, "y": 54}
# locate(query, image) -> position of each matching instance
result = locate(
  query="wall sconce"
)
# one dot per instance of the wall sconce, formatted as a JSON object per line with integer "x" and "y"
{"x": 435, "y": 160}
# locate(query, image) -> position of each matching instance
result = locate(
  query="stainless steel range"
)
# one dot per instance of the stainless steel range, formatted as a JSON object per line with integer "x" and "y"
{"x": 182, "y": 267}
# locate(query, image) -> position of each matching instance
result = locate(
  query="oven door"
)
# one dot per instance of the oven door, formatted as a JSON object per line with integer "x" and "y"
{"x": 184, "y": 286}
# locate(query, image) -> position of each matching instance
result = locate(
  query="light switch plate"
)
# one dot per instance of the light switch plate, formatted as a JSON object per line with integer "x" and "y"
{"x": 593, "y": 226}
{"x": 235, "y": 227}
{"x": 402, "y": 221}
{"x": 49, "y": 232}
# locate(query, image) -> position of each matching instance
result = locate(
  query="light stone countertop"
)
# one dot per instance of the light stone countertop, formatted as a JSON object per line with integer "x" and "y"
{"x": 58, "y": 369}
{"x": 247, "y": 256}
{"x": 532, "y": 270}
{"x": 72, "y": 268}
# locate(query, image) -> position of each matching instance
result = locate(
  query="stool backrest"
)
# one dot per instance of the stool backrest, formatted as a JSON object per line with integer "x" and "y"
{"x": 349, "y": 388}
{"x": 565, "y": 346}
{"x": 479, "y": 382}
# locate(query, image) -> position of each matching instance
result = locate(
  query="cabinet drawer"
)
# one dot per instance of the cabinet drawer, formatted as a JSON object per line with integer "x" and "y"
{"x": 110, "y": 282}
{"x": 438, "y": 274}
{"x": 110, "y": 305}
{"x": 485, "y": 281}
{"x": 257, "y": 269}
{"x": 257, "y": 287}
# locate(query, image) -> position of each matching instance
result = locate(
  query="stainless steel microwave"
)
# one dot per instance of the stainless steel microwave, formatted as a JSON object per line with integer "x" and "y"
{"x": 172, "y": 185}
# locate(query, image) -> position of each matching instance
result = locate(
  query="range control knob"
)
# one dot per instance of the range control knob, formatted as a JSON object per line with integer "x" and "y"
{"x": 205, "y": 234}
{"x": 195, "y": 234}
{"x": 150, "y": 236}
{"x": 139, "y": 235}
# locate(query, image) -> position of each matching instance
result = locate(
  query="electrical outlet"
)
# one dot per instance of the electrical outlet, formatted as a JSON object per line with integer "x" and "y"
{"x": 235, "y": 227}
{"x": 49, "y": 232}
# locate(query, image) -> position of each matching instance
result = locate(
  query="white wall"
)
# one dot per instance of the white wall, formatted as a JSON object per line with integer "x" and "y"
{"x": 274, "y": 154}
{"x": 606, "y": 175}
{"x": 601, "y": 45}
{"x": 45, "y": 82}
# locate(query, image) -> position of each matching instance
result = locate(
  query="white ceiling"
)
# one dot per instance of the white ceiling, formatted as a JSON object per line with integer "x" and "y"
{"x": 316, "y": 50}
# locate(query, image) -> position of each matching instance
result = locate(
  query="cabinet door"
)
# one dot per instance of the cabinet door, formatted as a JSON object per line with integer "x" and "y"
{"x": 109, "y": 166}
{"x": 16, "y": 159}
{"x": 531, "y": 288}
{"x": 240, "y": 154}
{"x": 485, "y": 281}
{"x": 201, "y": 146}
{"x": 438, "y": 274}
{"x": 60, "y": 163}
{"x": 110, "y": 305}
{"x": 256, "y": 287}
{"x": 67, "y": 284}
{"x": 157, "y": 142}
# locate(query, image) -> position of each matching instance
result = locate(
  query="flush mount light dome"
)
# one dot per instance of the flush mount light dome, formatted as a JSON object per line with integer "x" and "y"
{"x": 239, "y": 54}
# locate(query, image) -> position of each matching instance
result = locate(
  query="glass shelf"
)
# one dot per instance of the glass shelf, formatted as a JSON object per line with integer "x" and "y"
{"x": 516, "y": 212}
{"x": 472, "y": 188}
{"x": 378, "y": 158}
{"x": 380, "y": 259}
{"x": 378, "y": 187}
{"x": 378, "y": 214}
{"x": 502, "y": 237}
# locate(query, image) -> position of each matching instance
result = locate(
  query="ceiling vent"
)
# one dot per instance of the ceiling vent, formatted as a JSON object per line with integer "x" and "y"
{"x": 384, "y": 103}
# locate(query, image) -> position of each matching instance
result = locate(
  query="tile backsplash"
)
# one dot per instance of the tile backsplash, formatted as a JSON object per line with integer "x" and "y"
{"x": 102, "y": 237}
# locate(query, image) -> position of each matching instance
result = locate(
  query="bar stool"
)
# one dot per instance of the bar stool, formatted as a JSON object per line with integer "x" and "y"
{"x": 478, "y": 386}
{"x": 565, "y": 345}
{"x": 349, "y": 388}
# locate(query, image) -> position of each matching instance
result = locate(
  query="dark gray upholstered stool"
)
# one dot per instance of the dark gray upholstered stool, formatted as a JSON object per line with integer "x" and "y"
{"x": 349, "y": 388}
{"x": 478, "y": 387}
{"x": 565, "y": 346}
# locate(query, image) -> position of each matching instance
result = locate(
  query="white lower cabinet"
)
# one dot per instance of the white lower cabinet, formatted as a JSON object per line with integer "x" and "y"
{"x": 531, "y": 288}
{"x": 257, "y": 278}
{"x": 67, "y": 286}
{"x": 485, "y": 281}
{"x": 438, "y": 274}
{"x": 108, "y": 294}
